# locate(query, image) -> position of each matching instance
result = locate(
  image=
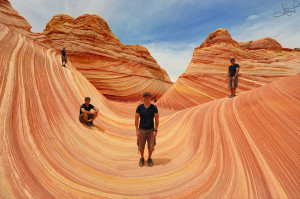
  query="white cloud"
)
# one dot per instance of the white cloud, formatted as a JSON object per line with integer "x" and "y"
{"x": 284, "y": 29}
{"x": 133, "y": 12}
{"x": 252, "y": 17}
{"x": 173, "y": 57}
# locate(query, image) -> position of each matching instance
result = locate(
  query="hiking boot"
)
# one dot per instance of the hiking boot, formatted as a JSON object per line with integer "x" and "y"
{"x": 233, "y": 95}
{"x": 150, "y": 162}
{"x": 230, "y": 96}
{"x": 88, "y": 124}
{"x": 92, "y": 124}
{"x": 141, "y": 163}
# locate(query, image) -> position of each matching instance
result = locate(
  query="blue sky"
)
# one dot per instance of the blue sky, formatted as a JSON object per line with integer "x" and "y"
{"x": 171, "y": 29}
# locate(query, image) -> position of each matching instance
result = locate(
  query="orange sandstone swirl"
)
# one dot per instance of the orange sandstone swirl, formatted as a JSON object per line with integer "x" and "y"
{"x": 245, "y": 147}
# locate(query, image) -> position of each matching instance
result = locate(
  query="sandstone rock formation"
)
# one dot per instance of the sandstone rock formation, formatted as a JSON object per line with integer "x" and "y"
{"x": 204, "y": 79}
{"x": 220, "y": 36}
{"x": 11, "y": 18}
{"x": 108, "y": 64}
{"x": 246, "y": 147}
{"x": 97, "y": 53}
{"x": 267, "y": 59}
{"x": 265, "y": 43}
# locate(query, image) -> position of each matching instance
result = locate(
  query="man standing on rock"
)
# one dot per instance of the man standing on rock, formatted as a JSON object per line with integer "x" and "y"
{"x": 233, "y": 72}
{"x": 63, "y": 57}
{"x": 145, "y": 129}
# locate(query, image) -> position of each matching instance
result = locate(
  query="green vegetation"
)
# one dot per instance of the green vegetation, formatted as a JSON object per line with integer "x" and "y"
{"x": 212, "y": 36}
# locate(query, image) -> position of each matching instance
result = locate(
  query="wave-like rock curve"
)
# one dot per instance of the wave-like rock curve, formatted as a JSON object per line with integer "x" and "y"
{"x": 205, "y": 78}
{"x": 245, "y": 147}
{"x": 120, "y": 72}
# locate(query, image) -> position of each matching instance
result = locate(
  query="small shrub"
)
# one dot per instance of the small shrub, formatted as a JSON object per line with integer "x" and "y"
{"x": 277, "y": 60}
{"x": 245, "y": 46}
{"x": 250, "y": 41}
{"x": 212, "y": 36}
{"x": 296, "y": 48}
{"x": 266, "y": 59}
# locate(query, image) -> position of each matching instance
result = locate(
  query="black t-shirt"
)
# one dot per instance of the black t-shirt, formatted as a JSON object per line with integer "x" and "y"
{"x": 232, "y": 69}
{"x": 146, "y": 116}
{"x": 63, "y": 53}
{"x": 86, "y": 108}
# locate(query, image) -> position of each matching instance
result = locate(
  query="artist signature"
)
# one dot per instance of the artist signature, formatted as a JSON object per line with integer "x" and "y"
{"x": 287, "y": 11}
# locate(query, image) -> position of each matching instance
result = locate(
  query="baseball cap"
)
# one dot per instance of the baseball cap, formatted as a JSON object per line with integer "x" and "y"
{"x": 87, "y": 98}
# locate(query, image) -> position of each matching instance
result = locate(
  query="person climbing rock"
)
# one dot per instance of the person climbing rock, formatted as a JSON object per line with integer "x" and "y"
{"x": 64, "y": 57}
{"x": 145, "y": 128}
{"x": 86, "y": 115}
{"x": 232, "y": 77}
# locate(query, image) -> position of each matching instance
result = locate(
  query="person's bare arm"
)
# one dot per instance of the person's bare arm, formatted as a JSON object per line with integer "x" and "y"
{"x": 227, "y": 75}
{"x": 96, "y": 110}
{"x": 156, "y": 117}
{"x": 137, "y": 117}
{"x": 84, "y": 111}
{"x": 237, "y": 71}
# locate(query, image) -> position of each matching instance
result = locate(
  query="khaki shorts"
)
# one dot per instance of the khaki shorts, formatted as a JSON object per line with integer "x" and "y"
{"x": 146, "y": 135}
{"x": 64, "y": 59}
{"x": 81, "y": 117}
{"x": 234, "y": 84}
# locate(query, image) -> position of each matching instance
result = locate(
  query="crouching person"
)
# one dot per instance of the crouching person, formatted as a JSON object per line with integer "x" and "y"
{"x": 88, "y": 112}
